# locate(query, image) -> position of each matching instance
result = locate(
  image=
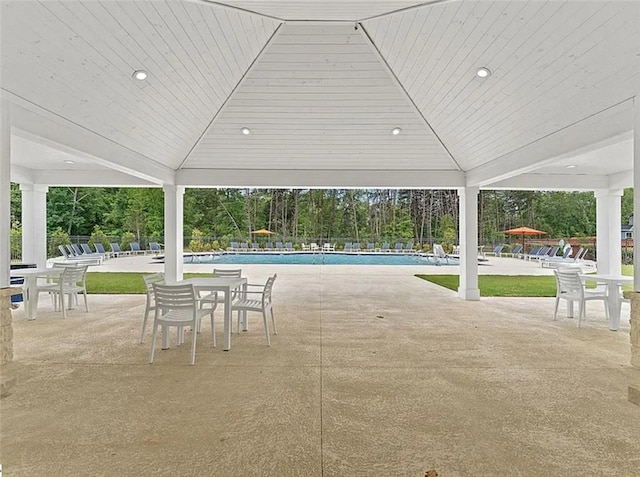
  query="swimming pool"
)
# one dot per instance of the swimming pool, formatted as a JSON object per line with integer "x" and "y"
{"x": 306, "y": 258}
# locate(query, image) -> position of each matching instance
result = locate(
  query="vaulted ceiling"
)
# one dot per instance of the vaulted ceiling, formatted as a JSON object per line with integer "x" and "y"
{"x": 320, "y": 85}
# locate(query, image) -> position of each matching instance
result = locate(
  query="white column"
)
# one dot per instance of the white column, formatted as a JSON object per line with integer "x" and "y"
{"x": 5, "y": 192}
{"x": 34, "y": 223}
{"x": 173, "y": 232}
{"x": 608, "y": 225}
{"x": 468, "y": 289}
{"x": 636, "y": 193}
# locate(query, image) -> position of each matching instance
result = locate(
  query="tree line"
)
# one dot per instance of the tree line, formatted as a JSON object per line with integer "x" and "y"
{"x": 316, "y": 215}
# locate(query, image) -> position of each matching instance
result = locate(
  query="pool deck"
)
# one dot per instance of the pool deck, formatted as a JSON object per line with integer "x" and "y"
{"x": 373, "y": 372}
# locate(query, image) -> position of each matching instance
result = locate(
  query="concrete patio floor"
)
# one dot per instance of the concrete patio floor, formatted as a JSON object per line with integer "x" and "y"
{"x": 373, "y": 372}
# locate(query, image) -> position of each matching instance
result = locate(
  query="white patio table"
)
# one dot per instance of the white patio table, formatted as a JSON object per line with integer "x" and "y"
{"x": 30, "y": 293}
{"x": 614, "y": 298}
{"x": 220, "y": 284}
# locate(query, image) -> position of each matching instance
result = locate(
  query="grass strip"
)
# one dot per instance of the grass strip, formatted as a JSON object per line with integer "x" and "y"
{"x": 502, "y": 285}
{"x": 122, "y": 283}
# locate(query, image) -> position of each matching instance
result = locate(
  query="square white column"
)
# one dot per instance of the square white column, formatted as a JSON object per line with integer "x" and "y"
{"x": 468, "y": 289}
{"x": 34, "y": 224}
{"x": 5, "y": 192}
{"x": 173, "y": 232}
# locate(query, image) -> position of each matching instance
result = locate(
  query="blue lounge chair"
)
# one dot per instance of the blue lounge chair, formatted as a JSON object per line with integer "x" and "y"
{"x": 347, "y": 247}
{"x": 355, "y": 247}
{"x": 371, "y": 247}
{"x": 279, "y": 247}
{"x": 385, "y": 247}
{"x": 289, "y": 246}
{"x": 233, "y": 247}
{"x": 115, "y": 248}
{"x": 100, "y": 249}
{"x": 268, "y": 246}
{"x": 496, "y": 252}
{"x": 244, "y": 247}
{"x": 154, "y": 247}
{"x": 135, "y": 248}
{"x": 398, "y": 248}
{"x": 409, "y": 247}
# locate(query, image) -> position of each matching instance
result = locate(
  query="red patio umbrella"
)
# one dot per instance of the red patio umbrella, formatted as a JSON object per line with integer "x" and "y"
{"x": 524, "y": 231}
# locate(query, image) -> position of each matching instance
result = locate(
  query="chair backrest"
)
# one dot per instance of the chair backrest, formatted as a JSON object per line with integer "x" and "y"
{"x": 398, "y": 245}
{"x": 150, "y": 280}
{"x": 385, "y": 246}
{"x": 289, "y": 245}
{"x": 517, "y": 249}
{"x": 554, "y": 251}
{"x": 268, "y": 245}
{"x": 409, "y": 246}
{"x": 347, "y": 247}
{"x": 438, "y": 251}
{"x": 355, "y": 246}
{"x": 174, "y": 297}
{"x": 115, "y": 247}
{"x": 371, "y": 246}
{"x": 76, "y": 249}
{"x": 86, "y": 248}
{"x": 63, "y": 251}
{"x": 568, "y": 281}
{"x": 135, "y": 246}
{"x": 278, "y": 245}
{"x": 498, "y": 249}
{"x": 580, "y": 256}
{"x": 567, "y": 251}
{"x": 73, "y": 275}
{"x": 235, "y": 273}
{"x": 154, "y": 246}
{"x": 268, "y": 289}
{"x": 99, "y": 247}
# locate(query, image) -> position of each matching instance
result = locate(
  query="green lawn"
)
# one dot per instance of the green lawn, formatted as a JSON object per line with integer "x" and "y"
{"x": 502, "y": 285}
{"x": 108, "y": 283}
{"x": 512, "y": 285}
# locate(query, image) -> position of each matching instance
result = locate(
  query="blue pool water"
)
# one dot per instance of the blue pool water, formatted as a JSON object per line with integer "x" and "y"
{"x": 293, "y": 258}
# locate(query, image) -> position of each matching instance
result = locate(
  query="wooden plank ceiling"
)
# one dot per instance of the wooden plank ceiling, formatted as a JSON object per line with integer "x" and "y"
{"x": 321, "y": 85}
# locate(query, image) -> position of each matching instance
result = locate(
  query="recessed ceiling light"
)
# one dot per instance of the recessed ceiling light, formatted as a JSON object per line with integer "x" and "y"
{"x": 246, "y": 131}
{"x": 140, "y": 75}
{"x": 483, "y": 72}
{"x": 571, "y": 166}
{"x": 68, "y": 161}
{"x": 396, "y": 131}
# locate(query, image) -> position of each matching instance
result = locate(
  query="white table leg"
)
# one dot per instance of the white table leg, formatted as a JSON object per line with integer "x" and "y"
{"x": 614, "y": 304}
{"x": 227, "y": 320}
{"x": 30, "y": 296}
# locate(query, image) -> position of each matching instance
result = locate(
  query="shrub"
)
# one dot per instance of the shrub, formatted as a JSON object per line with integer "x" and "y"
{"x": 58, "y": 237}
{"x": 126, "y": 239}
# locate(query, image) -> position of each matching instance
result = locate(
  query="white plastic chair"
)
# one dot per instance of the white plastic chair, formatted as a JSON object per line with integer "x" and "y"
{"x": 215, "y": 297}
{"x": 257, "y": 298}
{"x": 150, "y": 306}
{"x": 571, "y": 288}
{"x": 71, "y": 282}
{"x": 177, "y": 305}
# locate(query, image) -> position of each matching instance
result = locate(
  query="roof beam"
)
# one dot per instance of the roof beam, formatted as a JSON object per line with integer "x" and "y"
{"x": 88, "y": 178}
{"x": 290, "y": 178}
{"x": 569, "y": 182}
